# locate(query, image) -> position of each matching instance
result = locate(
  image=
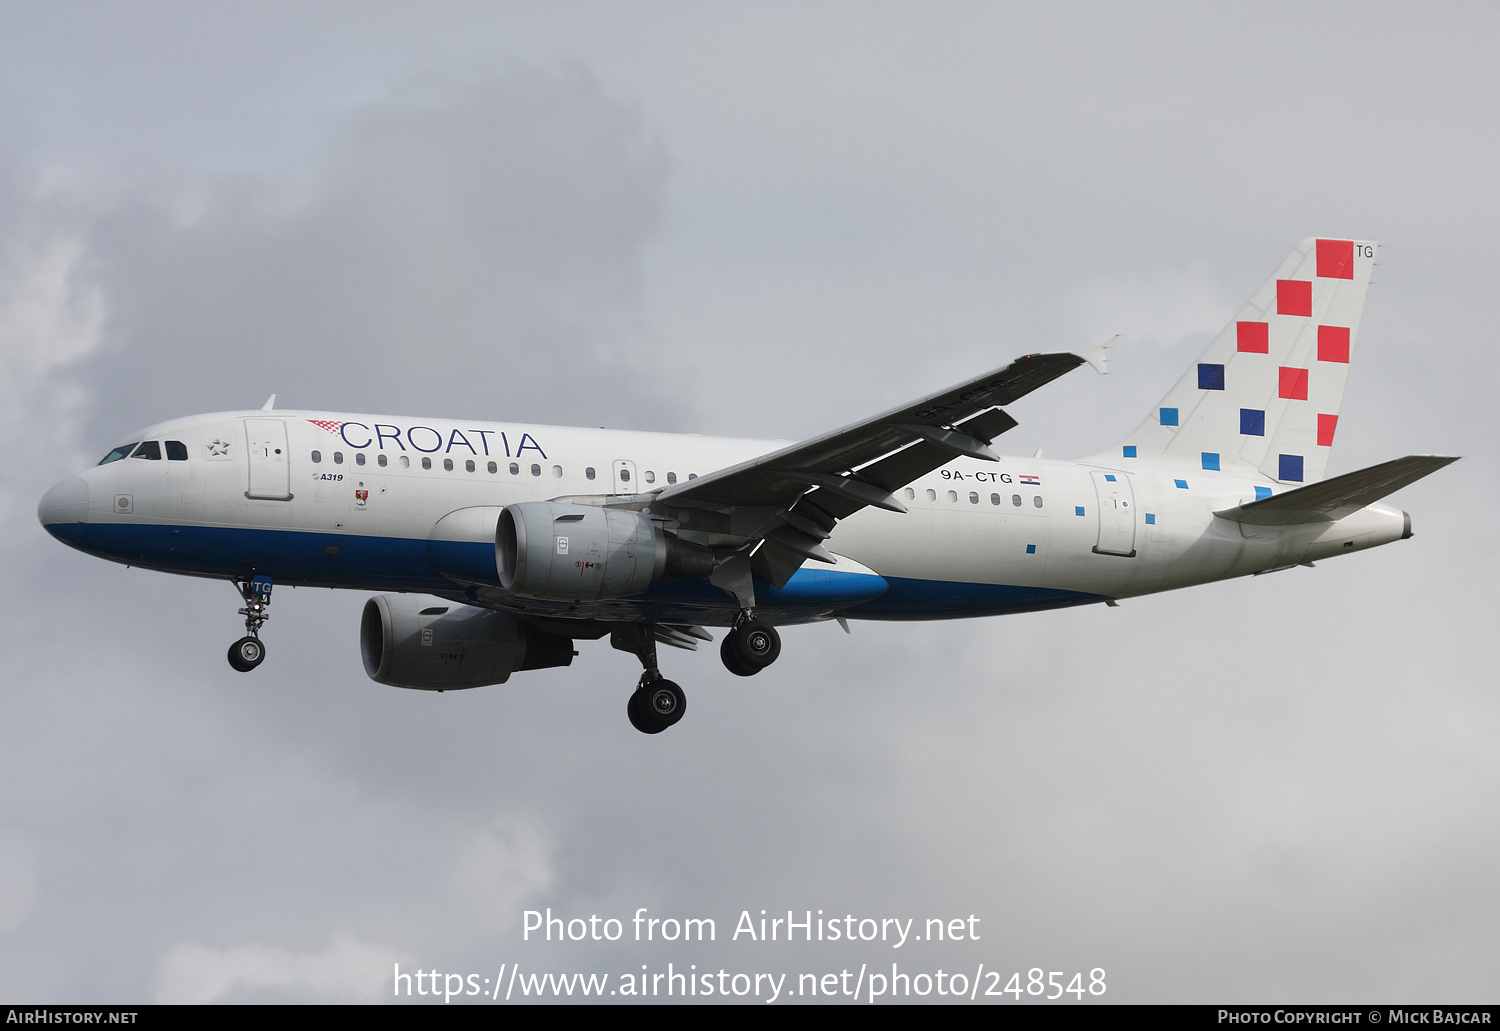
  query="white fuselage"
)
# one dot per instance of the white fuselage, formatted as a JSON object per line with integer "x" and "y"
{"x": 357, "y": 501}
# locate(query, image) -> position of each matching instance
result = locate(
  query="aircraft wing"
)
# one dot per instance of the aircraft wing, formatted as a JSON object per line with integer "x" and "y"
{"x": 791, "y": 498}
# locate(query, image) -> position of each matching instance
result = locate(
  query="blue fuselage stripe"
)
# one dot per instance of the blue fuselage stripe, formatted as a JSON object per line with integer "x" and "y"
{"x": 316, "y": 559}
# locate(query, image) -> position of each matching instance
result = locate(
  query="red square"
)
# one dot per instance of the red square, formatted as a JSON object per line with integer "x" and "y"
{"x": 1293, "y": 297}
{"x": 1333, "y": 344}
{"x": 1254, "y": 337}
{"x": 1336, "y": 259}
{"x": 1326, "y": 426}
{"x": 1293, "y": 384}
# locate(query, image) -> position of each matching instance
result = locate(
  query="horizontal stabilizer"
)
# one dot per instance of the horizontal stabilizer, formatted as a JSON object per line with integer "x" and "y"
{"x": 1335, "y": 498}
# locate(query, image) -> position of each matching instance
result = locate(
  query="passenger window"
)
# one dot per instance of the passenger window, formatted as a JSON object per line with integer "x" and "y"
{"x": 317, "y": 457}
{"x": 469, "y": 465}
{"x": 359, "y": 458}
{"x": 931, "y": 494}
{"x": 515, "y": 470}
{"x": 176, "y": 451}
{"x": 380, "y": 461}
{"x": 426, "y": 463}
{"x": 338, "y": 458}
{"x": 671, "y": 477}
{"x": 650, "y": 476}
{"x": 405, "y": 462}
{"x": 994, "y": 499}
{"x": 118, "y": 453}
{"x": 973, "y": 498}
{"x": 588, "y": 473}
{"x": 1037, "y": 501}
{"x": 149, "y": 449}
{"x": 624, "y": 475}
{"x": 448, "y": 465}
{"x": 557, "y": 472}
{"x": 953, "y": 495}
{"x": 536, "y": 470}
{"x": 492, "y": 467}
{"x": 692, "y": 476}
{"x": 910, "y": 494}
{"x": 1015, "y": 499}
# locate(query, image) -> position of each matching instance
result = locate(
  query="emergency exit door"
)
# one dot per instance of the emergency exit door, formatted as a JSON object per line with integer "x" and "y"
{"x": 1116, "y": 507}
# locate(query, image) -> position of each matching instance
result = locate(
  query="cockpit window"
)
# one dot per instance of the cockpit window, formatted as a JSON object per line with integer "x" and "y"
{"x": 118, "y": 453}
{"x": 176, "y": 451}
{"x": 148, "y": 449}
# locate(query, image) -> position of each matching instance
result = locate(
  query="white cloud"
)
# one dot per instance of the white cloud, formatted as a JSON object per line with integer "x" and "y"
{"x": 349, "y": 970}
{"x": 497, "y": 870}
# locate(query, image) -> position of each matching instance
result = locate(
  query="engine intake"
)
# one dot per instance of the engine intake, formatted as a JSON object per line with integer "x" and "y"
{"x": 560, "y": 552}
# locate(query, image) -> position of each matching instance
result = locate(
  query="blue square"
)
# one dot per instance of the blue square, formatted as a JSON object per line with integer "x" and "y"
{"x": 1181, "y": 484}
{"x": 1169, "y": 417}
{"x": 1078, "y": 510}
{"x": 1262, "y": 492}
{"x": 1291, "y": 468}
{"x": 1110, "y": 477}
{"x": 1031, "y": 549}
{"x": 1150, "y": 518}
{"x": 1129, "y": 450}
{"x": 1210, "y": 377}
{"x": 1210, "y": 460}
{"x": 1253, "y": 422}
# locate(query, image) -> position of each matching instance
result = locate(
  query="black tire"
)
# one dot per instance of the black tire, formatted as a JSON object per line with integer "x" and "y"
{"x": 638, "y": 716}
{"x": 731, "y": 658}
{"x": 665, "y": 703}
{"x": 246, "y": 653}
{"x": 755, "y": 646}
{"x": 656, "y": 706}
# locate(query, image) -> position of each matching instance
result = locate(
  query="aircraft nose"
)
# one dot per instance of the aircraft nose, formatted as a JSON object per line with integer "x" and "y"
{"x": 64, "y": 510}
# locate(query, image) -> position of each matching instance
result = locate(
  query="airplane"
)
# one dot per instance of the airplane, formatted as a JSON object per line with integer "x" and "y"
{"x": 499, "y": 546}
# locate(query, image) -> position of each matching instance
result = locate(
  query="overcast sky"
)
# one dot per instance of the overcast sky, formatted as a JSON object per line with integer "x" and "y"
{"x": 754, "y": 220}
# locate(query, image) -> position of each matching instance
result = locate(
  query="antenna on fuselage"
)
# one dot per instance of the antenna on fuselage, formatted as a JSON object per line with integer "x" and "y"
{"x": 270, "y": 404}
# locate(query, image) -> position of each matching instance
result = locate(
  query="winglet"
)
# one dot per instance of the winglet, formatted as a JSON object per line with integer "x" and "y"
{"x": 1094, "y": 354}
{"x": 270, "y": 404}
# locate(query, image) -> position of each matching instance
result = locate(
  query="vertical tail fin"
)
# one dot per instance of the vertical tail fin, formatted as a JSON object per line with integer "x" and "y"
{"x": 1265, "y": 396}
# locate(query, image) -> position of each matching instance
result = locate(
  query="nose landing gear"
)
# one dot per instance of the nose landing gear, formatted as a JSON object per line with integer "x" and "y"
{"x": 248, "y": 652}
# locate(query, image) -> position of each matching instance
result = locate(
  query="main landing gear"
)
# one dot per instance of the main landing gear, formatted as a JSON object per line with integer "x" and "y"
{"x": 750, "y": 647}
{"x": 657, "y": 702}
{"x": 248, "y": 652}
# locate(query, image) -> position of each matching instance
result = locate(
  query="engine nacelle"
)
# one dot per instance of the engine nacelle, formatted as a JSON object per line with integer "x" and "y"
{"x": 560, "y": 552}
{"x": 433, "y": 645}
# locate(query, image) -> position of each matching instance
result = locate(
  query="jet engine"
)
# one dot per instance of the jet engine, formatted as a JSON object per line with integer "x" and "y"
{"x": 561, "y": 552}
{"x": 433, "y": 645}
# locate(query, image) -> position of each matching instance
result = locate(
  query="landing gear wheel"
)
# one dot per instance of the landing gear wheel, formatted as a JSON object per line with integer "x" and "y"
{"x": 655, "y": 706}
{"x": 750, "y": 648}
{"x": 246, "y": 653}
{"x": 732, "y": 660}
